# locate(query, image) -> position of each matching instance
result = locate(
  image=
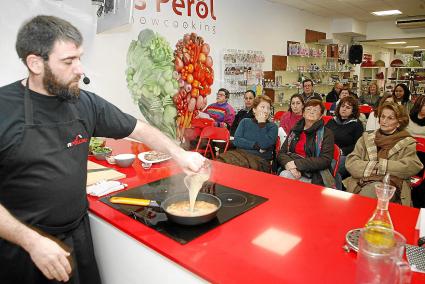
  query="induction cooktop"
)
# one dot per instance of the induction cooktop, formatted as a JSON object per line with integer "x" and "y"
{"x": 234, "y": 203}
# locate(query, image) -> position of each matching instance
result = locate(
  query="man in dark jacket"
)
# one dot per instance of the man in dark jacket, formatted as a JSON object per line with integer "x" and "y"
{"x": 308, "y": 91}
{"x": 333, "y": 95}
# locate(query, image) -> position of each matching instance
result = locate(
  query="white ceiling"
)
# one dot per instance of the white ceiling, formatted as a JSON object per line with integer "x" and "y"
{"x": 357, "y": 9}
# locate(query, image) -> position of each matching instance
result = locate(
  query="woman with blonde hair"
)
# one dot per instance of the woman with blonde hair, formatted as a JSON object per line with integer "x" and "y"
{"x": 390, "y": 149}
{"x": 372, "y": 96}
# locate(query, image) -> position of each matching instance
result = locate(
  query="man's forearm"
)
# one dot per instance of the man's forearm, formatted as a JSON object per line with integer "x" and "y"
{"x": 14, "y": 231}
{"x": 155, "y": 139}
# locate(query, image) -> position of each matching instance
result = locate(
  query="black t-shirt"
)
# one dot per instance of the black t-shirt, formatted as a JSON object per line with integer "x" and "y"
{"x": 100, "y": 117}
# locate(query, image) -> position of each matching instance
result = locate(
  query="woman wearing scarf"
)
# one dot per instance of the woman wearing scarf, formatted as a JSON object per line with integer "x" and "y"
{"x": 390, "y": 149}
{"x": 347, "y": 129}
{"x": 294, "y": 113}
{"x": 416, "y": 125}
{"x": 307, "y": 152}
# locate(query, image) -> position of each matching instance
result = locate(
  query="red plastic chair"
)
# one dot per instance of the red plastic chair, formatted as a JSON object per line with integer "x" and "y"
{"x": 328, "y": 106}
{"x": 365, "y": 109}
{"x": 337, "y": 158}
{"x": 201, "y": 122}
{"x": 420, "y": 147}
{"x": 196, "y": 126}
{"x": 326, "y": 118}
{"x": 277, "y": 116}
{"x": 274, "y": 165}
{"x": 212, "y": 133}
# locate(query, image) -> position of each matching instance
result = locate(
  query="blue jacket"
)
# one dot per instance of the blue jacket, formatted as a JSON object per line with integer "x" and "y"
{"x": 252, "y": 136}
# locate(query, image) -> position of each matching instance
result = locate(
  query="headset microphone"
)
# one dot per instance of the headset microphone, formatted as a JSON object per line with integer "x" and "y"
{"x": 86, "y": 79}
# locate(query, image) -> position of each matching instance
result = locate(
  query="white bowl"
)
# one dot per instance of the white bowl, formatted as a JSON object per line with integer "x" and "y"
{"x": 124, "y": 160}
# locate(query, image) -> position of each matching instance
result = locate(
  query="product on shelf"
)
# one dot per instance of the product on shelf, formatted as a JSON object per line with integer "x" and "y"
{"x": 242, "y": 70}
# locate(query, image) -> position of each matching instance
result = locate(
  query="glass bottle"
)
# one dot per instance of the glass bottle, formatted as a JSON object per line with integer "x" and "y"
{"x": 381, "y": 215}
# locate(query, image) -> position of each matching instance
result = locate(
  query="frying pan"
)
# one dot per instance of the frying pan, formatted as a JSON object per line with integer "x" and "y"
{"x": 182, "y": 220}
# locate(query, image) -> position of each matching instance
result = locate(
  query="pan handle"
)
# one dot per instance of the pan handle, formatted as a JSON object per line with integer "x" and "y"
{"x": 130, "y": 201}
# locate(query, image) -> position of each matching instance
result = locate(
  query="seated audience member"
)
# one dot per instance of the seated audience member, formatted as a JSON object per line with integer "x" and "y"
{"x": 390, "y": 149}
{"x": 244, "y": 113}
{"x": 416, "y": 125}
{"x": 372, "y": 96}
{"x": 347, "y": 129}
{"x": 307, "y": 152}
{"x": 401, "y": 95}
{"x": 416, "y": 128}
{"x": 255, "y": 139}
{"x": 221, "y": 111}
{"x": 345, "y": 92}
{"x": 373, "y": 120}
{"x": 308, "y": 91}
{"x": 333, "y": 95}
{"x": 292, "y": 116}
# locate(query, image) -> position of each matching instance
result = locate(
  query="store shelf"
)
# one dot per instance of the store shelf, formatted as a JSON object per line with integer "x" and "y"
{"x": 392, "y": 76}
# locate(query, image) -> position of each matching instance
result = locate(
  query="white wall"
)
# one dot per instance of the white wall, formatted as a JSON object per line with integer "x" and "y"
{"x": 241, "y": 24}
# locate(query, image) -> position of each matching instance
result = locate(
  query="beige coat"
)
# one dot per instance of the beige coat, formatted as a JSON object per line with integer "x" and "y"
{"x": 402, "y": 162}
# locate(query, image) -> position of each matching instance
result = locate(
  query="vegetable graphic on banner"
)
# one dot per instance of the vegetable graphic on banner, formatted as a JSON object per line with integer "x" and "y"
{"x": 195, "y": 77}
{"x": 152, "y": 80}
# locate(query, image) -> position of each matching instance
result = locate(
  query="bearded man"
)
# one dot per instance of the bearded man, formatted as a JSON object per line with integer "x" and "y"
{"x": 44, "y": 228}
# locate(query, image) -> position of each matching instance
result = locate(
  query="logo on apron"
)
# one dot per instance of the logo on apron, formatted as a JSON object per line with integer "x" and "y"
{"x": 77, "y": 141}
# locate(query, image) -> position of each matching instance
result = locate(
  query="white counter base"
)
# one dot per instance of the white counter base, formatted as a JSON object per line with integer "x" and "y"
{"x": 123, "y": 260}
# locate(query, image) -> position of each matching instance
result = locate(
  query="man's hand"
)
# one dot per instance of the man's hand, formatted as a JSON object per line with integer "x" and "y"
{"x": 47, "y": 255}
{"x": 50, "y": 258}
{"x": 190, "y": 162}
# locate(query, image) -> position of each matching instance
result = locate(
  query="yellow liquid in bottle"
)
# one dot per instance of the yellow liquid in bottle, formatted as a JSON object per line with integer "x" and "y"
{"x": 380, "y": 239}
{"x": 379, "y": 223}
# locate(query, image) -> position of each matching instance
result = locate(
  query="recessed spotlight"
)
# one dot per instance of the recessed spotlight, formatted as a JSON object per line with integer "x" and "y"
{"x": 411, "y": 46}
{"x": 387, "y": 13}
{"x": 396, "y": 42}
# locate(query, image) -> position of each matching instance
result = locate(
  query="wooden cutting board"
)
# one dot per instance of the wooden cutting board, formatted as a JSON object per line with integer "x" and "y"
{"x": 109, "y": 174}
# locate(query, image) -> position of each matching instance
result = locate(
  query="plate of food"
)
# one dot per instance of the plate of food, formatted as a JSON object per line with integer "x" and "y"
{"x": 152, "y": 157}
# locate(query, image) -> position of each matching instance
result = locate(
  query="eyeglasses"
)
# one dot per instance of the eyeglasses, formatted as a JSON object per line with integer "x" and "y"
{"x": 221, "y": 95}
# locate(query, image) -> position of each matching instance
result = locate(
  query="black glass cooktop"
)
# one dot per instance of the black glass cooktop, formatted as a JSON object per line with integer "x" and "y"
{"x": 234, "y": 203}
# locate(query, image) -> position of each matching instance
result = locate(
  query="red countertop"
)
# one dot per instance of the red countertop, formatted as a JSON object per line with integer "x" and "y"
{"x": 294, "y": 237}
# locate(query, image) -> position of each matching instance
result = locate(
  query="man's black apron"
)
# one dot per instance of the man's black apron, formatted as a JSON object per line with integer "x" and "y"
{"x": 45, "y": 188}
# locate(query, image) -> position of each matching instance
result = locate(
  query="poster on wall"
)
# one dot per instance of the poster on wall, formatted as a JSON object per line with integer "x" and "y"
{"x": 169, "y": 86}
{"x": 169, "y": 69}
